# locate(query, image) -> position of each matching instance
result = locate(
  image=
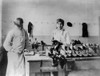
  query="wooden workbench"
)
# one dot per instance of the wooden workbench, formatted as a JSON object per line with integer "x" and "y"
{"x": 33, "y": 63}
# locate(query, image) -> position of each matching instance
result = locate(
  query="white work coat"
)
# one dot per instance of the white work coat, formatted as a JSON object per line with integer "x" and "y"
{"x": 15, "y": 43}
{"x": 61, "y": 36}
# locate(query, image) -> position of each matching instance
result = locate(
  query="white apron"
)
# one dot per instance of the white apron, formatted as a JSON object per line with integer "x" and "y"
{"x": 16, "y": 65}
{"x": 15, "y": 44}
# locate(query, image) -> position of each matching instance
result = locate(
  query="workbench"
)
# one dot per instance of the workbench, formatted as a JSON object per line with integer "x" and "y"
{"x": 33, "y": 63}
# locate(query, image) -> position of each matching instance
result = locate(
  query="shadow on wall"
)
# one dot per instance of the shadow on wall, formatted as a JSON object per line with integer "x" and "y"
{"x": 3, "y": 61}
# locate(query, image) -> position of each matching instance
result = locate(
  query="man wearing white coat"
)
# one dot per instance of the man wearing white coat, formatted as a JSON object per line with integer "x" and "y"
{"x": 15, "y": 43}
{"x": 61, "y": 35}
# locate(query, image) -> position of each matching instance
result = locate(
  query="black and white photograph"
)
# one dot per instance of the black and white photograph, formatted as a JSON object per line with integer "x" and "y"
{"x": 49, "y": 37}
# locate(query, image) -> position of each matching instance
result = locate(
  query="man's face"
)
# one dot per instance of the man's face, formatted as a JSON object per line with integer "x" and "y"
{"x": 59, "y": 25}
{"x": 18, "y": 23}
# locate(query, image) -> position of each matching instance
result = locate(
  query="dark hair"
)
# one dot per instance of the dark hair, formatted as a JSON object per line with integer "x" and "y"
{"x": 30, "y": 27}
{"x": 21, "y": 20}
{"x": 60, "y": 20}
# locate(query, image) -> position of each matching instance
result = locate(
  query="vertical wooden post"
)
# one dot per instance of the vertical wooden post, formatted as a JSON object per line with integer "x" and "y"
{"x": 0, "y": 23}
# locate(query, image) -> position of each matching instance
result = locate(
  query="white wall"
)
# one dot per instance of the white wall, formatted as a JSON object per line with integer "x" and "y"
{"x": 43, "y": 14}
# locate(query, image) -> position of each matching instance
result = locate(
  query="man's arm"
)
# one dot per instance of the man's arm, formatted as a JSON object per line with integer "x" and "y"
{"x": 67, "y": 39}
{"x": 8, "y": 41}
